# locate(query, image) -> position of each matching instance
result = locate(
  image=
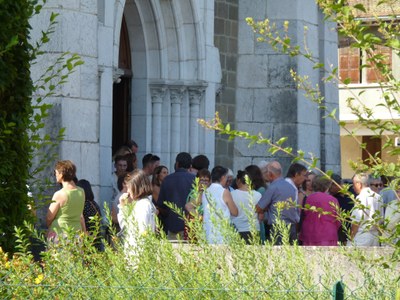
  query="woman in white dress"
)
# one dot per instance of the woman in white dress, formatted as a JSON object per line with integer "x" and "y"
{"x": 245, "y": 199}
{"x": 218, "y": 206}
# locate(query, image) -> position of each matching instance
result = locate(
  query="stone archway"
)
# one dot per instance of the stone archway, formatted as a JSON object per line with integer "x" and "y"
{"x": 122, "y": 92}
{"x": 169, "y": 85}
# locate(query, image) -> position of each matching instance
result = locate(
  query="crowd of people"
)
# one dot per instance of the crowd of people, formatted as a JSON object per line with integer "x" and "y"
{"x": 259, "y": 197}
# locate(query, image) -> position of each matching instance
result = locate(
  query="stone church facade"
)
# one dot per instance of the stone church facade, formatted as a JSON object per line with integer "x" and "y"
{"x": 153, "y": 67}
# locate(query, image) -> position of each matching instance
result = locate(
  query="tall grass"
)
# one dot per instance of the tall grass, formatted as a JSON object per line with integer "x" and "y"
{"x": 74, "y": 269}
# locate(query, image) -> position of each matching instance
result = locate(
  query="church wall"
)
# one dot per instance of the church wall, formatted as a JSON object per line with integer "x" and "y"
{"x": 330, "y": 152}
{"x": 226, "y": 40}
{"x": 265, "y": 91}
{"x": 76, "y": 103}
{"x": 267, "y": 99}
{"x": 189, "y": 59}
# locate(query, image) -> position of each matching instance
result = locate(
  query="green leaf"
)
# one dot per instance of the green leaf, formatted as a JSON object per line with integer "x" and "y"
{"x": 12, "y": 42}
{"x": 318, "y": 66}
{"x": 281, "y": 141}
{"x": 53, "y": 16}
{"x": 393, "y": 43}
{"x": 360, "y": 7}
{"x": 251, "y": 143}
{"x": 347, "y": 81}
{"x": 78, "y": 63}
{"x": 296, "y": 159}
{"x": 332, "y": 114}
{"x": 288, "y": 149}
{"x": 286, "y": 41}
{"x": 273, "y": 150}
{"x": 70, "y": 66}
{"x": 314, "y": 163}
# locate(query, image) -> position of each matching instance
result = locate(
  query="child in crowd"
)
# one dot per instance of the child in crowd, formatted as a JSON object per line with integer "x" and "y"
{"x": 137, "y": 212}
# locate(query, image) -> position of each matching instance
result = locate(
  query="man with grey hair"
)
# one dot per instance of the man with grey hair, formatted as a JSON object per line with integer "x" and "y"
{"x": 279, "y": 190}
{"x": 264, "y": 170}
{"x": 366, "y": 214}
{"x": 229, "y": 180}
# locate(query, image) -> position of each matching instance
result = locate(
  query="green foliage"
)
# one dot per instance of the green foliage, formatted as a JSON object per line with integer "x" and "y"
{"x": 163, "y": 270}
{"x": 21, "y": 116}
{"x": 15, "y": 93}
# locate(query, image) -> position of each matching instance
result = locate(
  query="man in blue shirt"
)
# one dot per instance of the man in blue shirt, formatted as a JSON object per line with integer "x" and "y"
{"x": 278, "y": 191}
{"x": 175, "y": 189}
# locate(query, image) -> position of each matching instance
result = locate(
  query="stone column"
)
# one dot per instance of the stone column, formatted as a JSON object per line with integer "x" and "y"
{"x": 195, "y": 96}
{"x": 157, "y": 97}
{"x": 176, "y": 95}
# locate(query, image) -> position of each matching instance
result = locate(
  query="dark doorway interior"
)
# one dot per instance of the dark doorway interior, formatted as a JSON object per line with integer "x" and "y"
{"x": 373, "y": 146}
{"x": 122, "y": 93}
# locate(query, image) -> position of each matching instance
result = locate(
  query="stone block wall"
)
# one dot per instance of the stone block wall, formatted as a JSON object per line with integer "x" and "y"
{"x": 226, "y": 40}
{"x": 267, "y": 98}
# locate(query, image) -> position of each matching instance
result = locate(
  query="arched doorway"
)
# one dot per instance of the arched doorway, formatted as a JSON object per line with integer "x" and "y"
{"x": 122, "y": 93}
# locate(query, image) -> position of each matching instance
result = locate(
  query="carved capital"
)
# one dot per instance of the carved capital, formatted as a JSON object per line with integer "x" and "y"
{"x": 176, "y": 94}
{"x": 196, "y": 94}
{"x": 158, "y": 93}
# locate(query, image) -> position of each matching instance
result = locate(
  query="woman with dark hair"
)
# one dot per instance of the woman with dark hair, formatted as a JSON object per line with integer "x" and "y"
{"x": 257, "y": 179}
{"x": 131, "y": 162}
{"x": 91, "y": 212}
{"x": 194, "y": 199}
{"x": 218, "y": 206}
{"x": 66, "y": 210}
{"x": 159, "y": 174}
{"x": 245, "y": 200}
{"x": 193, "y": 205}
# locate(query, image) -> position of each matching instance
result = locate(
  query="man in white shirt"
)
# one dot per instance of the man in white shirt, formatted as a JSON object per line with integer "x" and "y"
{"x": 366, "y": 214}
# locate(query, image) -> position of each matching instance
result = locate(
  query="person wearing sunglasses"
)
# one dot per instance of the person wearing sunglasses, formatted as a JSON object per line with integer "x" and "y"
{"x": 376, "y": 184}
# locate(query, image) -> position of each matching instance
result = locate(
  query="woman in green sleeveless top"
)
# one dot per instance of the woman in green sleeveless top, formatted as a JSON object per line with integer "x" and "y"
{"x": 66, "y": 210}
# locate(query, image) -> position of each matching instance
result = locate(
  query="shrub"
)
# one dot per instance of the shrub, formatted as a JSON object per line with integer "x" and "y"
{"x": 22, "y": 116}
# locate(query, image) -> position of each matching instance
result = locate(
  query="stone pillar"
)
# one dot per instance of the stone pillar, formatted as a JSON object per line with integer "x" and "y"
{"x": 176, "y": 95}
{"x": 157, "y": 97}
{"x": 195, "y": 96}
